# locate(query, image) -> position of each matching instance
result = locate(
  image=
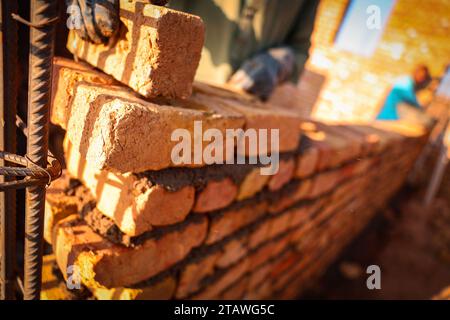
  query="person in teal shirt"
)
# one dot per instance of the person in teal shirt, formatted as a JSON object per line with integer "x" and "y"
{"x": 404, "y": 91}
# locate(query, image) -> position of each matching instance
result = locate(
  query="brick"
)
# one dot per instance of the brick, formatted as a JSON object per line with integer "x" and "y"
{"x": 267, "y": 251}
{"x": 224, "y": 224}
{"x": 232, "y": 252}
{"x": 259, "y": 275}
{"x": 135, "y": 205}
{"x": 162, "y": 290}
{"x": 355, "y": 143}
{"x": 252, "y": 184}
{"x": 104, "y": 264}
{"x": 65, "y": 76}
{"x": 333, "y": 149}
{"x": 279, "y": 225}
{"x": 111, "y": 128}
{"x": 284, "y": 174}
{"x": 58, "y": 205}
{"x": 156, "y": 51}
{"x": 307, "y": 162}
{"x": 284, "y": 265}
{"x": 216, "y": 195}
{"x": 369, "y": 141}
{"x": 192, "y": 274}
{"x": 324, "y": 182}
{"x": 260, "y": 235}
{"x": 301, "y": 191}
{"x": 237, "y": 291}
{"x": 260, "y": 116}
{"x": 299, "y": 215}
{"x": 214, "y": 290}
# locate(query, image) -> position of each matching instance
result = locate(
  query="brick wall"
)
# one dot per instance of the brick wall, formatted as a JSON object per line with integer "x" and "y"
{"x": 150, "y": 230}
{"x": 416, "y": 32}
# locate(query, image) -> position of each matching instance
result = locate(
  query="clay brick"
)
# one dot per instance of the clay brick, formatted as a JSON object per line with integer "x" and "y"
{"x": 260, "y": 235}
{"x": 307, "y": 162}
{"x": 134, "y": 204}
{"x": 232, "y": 252}
{"x": 267, "y": 251}
{"x": 65, "y": 75}
{"x": 259, "y": 116}
{"x": 58, "y": 205}
{"x": 302, "y": 191}
{"x": 104, "y": 264}
{"x": 162, "y": 290}
{"x": 156, "y": 51}
{"x": 284, "y": 265}
{"x": 355, "y": 142}
{"x": 279, "y": 225}
{"x": 252, "y": 184}
{"x": 299, "y": 215}
{"x": 237, "y": 291}
{"x": 230, "y": 221}
{"x": 284, "y": 174}
{"x": 324, "y": 182}
{"x": 192, "y": 274}
{"x": 216, "y": 195}
{"x": 111, "y": 128}
{"x": 214, "y": 290}
{"x": 259, "y": 275}
{"x": 333, "y": 149}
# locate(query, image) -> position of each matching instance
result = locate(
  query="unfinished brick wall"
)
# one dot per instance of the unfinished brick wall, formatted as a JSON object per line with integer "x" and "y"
{"x": 355, "y": 86}
{"x": 137, "y": 226}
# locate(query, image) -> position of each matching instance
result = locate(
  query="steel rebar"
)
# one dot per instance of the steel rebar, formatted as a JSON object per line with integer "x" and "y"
{"x": 42, "y": 33}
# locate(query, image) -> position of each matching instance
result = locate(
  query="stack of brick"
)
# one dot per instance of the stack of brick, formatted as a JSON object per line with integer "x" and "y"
{"x": 131, "y": 223}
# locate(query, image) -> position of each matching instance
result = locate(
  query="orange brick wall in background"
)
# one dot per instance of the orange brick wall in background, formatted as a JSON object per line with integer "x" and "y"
{"x": 355, "y": 86}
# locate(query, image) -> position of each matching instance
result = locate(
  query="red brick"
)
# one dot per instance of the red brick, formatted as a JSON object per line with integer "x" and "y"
{"x": 214, "y": 290}
{"x": 193, "y": 273}
{"x": 216, "y": 195}
{"x": 104, "y": 264}
{"x": 284, "y": 174}
{"x": 232, "y": 220}
{"x": 232, "y": 252}
{"x": 307, "y": 162}
{"x": 151, "y": 51}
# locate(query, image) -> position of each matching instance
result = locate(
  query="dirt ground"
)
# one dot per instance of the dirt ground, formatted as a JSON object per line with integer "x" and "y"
{"x": 411, "y": 245}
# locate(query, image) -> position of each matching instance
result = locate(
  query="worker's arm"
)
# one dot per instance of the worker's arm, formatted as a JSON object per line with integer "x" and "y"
{"x": 409, "y": 96}
{"x": 300, "y": 37}
{"x": 260, "y": 75}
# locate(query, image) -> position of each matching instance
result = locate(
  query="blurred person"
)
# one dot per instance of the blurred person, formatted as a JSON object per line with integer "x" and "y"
{"x": 253, "y": 45}
{"x": 404, "y": 92}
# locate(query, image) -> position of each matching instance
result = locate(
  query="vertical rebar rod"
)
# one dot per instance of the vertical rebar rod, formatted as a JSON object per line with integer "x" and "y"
{"x": 42, "y": 35}
{"x": 8, "y": 109}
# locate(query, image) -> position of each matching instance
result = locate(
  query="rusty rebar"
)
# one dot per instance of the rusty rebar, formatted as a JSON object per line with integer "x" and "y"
{"x": 40, "y": 67}
{"x": 8, "y": 105}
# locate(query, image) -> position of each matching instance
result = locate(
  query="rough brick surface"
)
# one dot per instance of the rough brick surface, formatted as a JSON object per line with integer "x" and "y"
{"x": 156, "y": 51}
{"x": 216, "y": 195}
{"x": 134, "y": 204}
{"x": 252, "y": 184}
{"x": 259, "y": 116}
{"x": 284, "y": 174}
{"x": 104, "y": 264}
{"x": 66, "y": 74}
{"x": 111, "y": 128}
